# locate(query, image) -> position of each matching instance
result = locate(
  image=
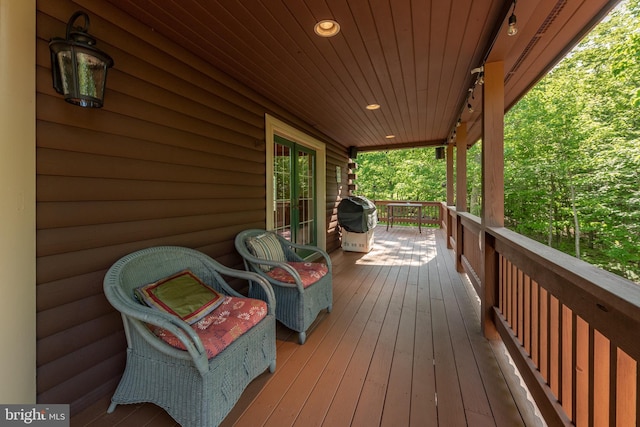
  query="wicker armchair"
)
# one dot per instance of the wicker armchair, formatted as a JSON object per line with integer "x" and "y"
{"x": 298, "y": 300}
{"x": 194, "y": 389}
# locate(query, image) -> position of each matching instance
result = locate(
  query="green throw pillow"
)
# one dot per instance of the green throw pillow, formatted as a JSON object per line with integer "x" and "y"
{"x": 182, "y": 294}
{"x": 266, "y": 246}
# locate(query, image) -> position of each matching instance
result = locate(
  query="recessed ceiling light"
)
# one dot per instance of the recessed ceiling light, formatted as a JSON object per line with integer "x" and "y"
{"x": 327, "y": 28}
{"x": 373, "y": 106}
{"x": 390, "y": 136}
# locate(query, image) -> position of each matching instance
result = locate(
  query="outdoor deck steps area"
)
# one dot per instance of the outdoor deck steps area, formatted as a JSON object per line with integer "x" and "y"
{"x": 402, "y": 347}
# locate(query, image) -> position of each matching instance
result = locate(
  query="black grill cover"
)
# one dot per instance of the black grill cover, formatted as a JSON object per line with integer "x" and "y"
{"x": 357, "y": 214}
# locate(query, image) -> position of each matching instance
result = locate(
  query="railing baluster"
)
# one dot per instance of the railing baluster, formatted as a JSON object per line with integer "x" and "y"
{"x": 527, "y": 314}
{"x": 568, "y": 361}
{"x": 592, "y": 375}
{"x": 601, "y": 384}
{"x": 581, "y": 378}
{"x": 510, "y": 293}
{"x": 544, "y": 334}
{"x": 520, "y": 307}
{"x": 626, "y": 390}
{"x": 501, "y": 285}
{"x": 555, "y": 326}
{"x": 636, "y": 404}
{"x": 516, "y": 312}
{"x": 535, "y": 323}
{"x": 613, "y": 383}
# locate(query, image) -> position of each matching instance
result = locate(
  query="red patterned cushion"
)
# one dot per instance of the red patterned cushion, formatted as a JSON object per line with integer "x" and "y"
{"x": 310, "y": 273}
{"x": 222, "y": 326}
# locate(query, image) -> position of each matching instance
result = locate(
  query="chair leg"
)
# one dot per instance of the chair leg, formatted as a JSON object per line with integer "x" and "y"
{"x": 329, "y": 308}
{"x": 112, "y": 407}
{"x": 302, "y": 337}
{"x": 272, "y": 367}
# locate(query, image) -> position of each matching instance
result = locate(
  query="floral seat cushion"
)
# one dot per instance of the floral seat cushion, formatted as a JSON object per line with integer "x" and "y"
{"x": 310, "y": 273}
{"x": 222, "y": 326}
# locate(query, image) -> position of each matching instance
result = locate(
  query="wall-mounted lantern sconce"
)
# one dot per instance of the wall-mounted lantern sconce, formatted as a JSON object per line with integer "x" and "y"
{"x": 78, "y": 68}
{"x": 513, "y": 29}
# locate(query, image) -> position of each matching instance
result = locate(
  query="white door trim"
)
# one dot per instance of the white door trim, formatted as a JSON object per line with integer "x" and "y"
{"x": 275, "y": 126}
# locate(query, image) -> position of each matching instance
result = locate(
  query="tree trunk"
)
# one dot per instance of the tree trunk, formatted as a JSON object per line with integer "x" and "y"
{"x": 550, "y": 236}
{"x": 474, "y": 201}
{"x": 576, "y": 224}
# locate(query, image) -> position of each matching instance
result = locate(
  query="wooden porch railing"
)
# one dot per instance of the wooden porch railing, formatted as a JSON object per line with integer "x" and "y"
{"x": 572, "y": 329}
{"x": 431, "y": 212}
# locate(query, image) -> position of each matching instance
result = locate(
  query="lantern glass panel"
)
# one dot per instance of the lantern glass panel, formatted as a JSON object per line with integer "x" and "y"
{"x": 80, "y": 88}
{"x": 66, "y": 71}
{"x": 91, "y": 73}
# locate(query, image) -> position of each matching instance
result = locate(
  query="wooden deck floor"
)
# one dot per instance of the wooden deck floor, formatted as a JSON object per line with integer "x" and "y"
{"x": 402, "y": 347}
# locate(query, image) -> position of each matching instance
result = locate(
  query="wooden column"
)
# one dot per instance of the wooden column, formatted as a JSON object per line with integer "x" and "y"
{"x": 450, "y": 176}
{"x": 492, "y": 186}
{"x": 461, "y": 168}
{"x": 461, "y": 189}
{"x": 18, "y": 195}
{"x": 450, "y": 193}
{"x": 493, "y": 145}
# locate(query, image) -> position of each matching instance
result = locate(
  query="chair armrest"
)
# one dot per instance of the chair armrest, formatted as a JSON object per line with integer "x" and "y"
{"x": 247, "y": 275}
{"x": 178, "y": 327}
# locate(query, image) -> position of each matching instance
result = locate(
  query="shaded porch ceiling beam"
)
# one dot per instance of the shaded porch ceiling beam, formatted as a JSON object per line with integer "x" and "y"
{"x": 462, "y": 105}
{"x": 415, "y": 144}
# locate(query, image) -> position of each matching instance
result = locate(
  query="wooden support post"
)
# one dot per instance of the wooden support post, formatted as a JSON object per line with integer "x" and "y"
{"x": 461, "y": 189}
{"x": 492, "y": 186}
{"x": 18, "y": 195}
{"x": 450, "y": 192}
{"x": 461, "y": 168}
{"x": 450, "y": 176}
{"x": 493, "y": 146}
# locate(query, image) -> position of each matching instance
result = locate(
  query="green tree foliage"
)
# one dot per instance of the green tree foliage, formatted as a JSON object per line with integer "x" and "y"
{"x": 474, "y": 179}
{"x": 572, "y": 150}
{"x": 412, "y": 174}
{"x": 572, "y": 154}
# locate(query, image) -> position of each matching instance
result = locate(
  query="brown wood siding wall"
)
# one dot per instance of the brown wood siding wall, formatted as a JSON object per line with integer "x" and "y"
{"x": 176, "y": 156}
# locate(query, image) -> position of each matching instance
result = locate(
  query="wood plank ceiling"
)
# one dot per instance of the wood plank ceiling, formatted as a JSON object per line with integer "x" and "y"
{"x": 412, "y": 57}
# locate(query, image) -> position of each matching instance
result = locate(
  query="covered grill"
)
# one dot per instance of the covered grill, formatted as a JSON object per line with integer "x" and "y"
{"x": 357, "y": 214}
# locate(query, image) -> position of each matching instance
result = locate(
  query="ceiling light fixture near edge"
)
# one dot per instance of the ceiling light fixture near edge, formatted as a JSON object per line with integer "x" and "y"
{"x": 327, "y": 28}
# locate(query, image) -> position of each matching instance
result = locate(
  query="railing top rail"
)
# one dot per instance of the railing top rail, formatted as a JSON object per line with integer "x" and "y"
{"x": 422, "y": 202}
{"x": 611, "y": 291}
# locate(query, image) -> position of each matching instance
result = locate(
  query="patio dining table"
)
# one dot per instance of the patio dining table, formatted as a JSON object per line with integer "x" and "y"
{"x": 391, "y": 206}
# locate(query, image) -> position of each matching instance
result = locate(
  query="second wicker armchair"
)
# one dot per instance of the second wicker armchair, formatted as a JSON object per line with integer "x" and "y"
{"x": 302, "y": 289}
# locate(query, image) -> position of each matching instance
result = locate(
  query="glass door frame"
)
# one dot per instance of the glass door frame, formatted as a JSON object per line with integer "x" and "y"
{"x": 296, "y": 199}
{"x": 273, "y": 127}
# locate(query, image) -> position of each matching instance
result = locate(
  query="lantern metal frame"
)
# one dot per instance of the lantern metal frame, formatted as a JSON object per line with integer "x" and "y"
{"x": 78, "y": 68}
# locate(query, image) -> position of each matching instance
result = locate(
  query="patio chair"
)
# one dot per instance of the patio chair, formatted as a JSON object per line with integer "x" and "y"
{"x": 197, "y": 371}
{"x": 302, "y": 289}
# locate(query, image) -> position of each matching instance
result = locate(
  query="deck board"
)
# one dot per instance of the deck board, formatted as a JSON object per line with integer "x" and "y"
{"x": 402, "y": 346}
{"x": 317, "y": 405}
{"x": 397, "y": 404}
{"x": 372, "y": 397}
{"x": 423, "y": 409}
{"x": 345, "y": 400}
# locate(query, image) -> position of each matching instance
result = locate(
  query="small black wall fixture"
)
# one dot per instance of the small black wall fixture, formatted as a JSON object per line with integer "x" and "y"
{"x": 513, "y": 30}
{"x": 78, "y": 68}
